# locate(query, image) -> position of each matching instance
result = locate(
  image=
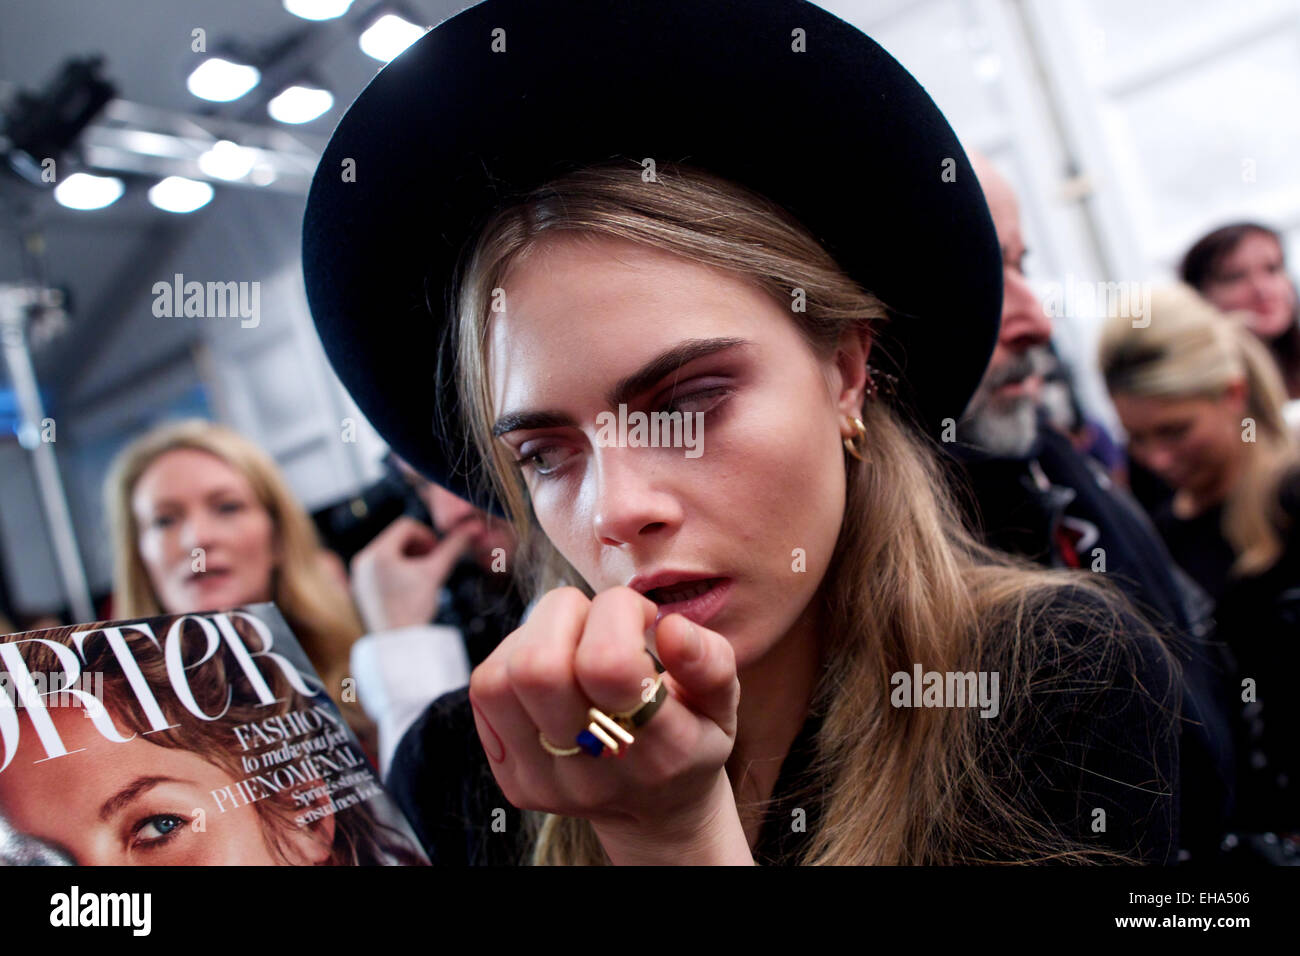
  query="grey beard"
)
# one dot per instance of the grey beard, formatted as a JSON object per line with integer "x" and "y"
{"x": 1004, "y": 433}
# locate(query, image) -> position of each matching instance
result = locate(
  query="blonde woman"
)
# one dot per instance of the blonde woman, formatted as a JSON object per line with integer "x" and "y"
{"x": 202, "y": 519}
{"x": 796, "y": 566}
{"x": 1201, "y": 401}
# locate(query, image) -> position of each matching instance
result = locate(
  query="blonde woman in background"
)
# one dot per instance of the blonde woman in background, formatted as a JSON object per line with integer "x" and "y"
{"x": 202, "y": 519}
{"x": 1201, "y": 400}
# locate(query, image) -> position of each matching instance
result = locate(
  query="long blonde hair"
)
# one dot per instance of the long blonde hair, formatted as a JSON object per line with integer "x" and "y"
{"x": 1190, "y": 349}
{"x": 322, "y": 616}
{"x": 907, "y": 583}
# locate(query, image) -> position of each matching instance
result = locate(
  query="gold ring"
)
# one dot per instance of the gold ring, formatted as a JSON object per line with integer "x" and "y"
{"x": 651, "y": 701}
{"x": 612, "y": 732}
{"x": 555, "y": 751}
{"x": 604, "y": 733}
{"x": 649, "y": 704}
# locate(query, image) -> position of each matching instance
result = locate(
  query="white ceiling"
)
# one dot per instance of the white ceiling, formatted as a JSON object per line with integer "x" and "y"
{"x": 146, "y": 46}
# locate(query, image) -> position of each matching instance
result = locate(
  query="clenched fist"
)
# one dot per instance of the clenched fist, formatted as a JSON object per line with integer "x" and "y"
{"x": 668, "y": 798}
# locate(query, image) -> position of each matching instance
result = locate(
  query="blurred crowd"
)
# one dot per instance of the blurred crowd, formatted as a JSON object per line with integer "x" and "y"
{"x": 1193, "y": 511}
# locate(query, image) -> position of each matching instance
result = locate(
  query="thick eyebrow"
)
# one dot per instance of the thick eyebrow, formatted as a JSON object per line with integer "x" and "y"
{"x": 657, "y": 368}
{"x": 132, "y": 790}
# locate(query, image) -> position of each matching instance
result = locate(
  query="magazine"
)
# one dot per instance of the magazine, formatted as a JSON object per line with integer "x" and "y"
{"x": 195, "y": 739}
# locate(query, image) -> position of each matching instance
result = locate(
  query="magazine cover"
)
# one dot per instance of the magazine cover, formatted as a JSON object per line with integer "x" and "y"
{"x": 183, "y": 740}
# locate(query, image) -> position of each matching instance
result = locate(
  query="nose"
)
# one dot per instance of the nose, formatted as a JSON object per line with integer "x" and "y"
{"x": 1025, "y": 323}
{"x": 196, "y": 531}
{"x": 1259, "y": 286}
{"x": 1159, "y": 460}
{"x": 630, "y": 502}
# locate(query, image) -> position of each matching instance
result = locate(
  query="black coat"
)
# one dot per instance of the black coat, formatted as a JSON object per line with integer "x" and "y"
{"x": 1096, "y": 730}
{"x": 1259, "y": 617}
{"x": 1056, "y": 498}
{"x": 484, "y": 606}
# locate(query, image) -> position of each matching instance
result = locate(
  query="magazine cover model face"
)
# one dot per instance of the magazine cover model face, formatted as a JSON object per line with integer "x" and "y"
{"x": 181, "y": 741}
{"x": 137, "y": 803}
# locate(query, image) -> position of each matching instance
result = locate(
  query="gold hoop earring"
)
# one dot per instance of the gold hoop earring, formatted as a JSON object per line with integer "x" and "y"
{"x": 851, "y": 444}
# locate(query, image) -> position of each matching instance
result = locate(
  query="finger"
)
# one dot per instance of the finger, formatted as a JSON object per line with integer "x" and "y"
{"x": 415, "y": 538}
{"x": 506, "y": 731}
{"x": 702, "y": 665}
{"x": 611, "y": 660}
{"x": 445, "y": 553}
{"x": 388, "y": 541}
{"x": 541, "y": 668}
{"x": 402, "y": 536}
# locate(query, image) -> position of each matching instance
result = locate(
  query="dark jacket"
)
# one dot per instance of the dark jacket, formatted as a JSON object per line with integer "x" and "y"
{"x": 484, "y": 606}
{"x": 1058, "y": 508}
{"x": 1093, "y": 730}
{"x": 1259, "y": 616}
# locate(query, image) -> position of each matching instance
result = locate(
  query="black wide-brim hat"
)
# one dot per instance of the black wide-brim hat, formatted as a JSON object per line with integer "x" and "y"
{"x": 778, "y": 95}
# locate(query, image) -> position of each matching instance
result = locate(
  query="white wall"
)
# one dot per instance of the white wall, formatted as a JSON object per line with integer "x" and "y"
{"x": 1128, "y": 128}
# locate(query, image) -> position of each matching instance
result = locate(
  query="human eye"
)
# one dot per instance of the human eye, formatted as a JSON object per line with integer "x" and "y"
{"x": 230, "y": 506}
{"x": 154, "y": 831}
{"x": 699, "y": 401}
{"x": 162, "y": 521}
{"x": 545, "y": 460}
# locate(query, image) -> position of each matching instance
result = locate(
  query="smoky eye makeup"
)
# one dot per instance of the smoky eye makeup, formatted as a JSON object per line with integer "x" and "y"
{"x": 698, "y": 390}
{"x": 703, "y": 391}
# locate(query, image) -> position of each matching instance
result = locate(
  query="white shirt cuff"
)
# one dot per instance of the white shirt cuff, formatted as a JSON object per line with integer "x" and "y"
{"x": 402, "y": 671}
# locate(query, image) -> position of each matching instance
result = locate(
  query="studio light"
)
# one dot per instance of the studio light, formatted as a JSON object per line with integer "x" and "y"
{"x": 300, "y": 104}
{"x": 43, "y": 126}
{"x": 317, "y": 9}
{"x": 178, "y": 194}
{"x": 84, "y": 191}
{"x": 227, "y": 160}
{"x": 389, "y": 36}
{"x": 221, "y": 80}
